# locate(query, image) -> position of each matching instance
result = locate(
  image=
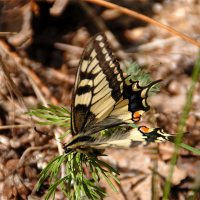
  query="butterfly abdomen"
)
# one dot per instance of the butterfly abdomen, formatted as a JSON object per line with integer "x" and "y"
{"x": 78, "y": 142}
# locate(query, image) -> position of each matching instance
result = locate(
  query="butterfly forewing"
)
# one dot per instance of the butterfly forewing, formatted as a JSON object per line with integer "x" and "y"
{"x": 98, "y": 85}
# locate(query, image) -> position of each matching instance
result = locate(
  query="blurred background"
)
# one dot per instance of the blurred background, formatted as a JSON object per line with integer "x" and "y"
{"x": 41, "y": 42}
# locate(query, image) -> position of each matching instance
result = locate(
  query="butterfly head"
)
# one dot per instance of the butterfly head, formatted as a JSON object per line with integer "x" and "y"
{"x": 79, "y": 143}
{"x": 67, "y": 150}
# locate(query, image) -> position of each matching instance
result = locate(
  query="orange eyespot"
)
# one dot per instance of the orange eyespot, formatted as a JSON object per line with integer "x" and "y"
{"x": 144, "y": 129}
{"x": 136, "y": 116}
{"x": 136, "y": 119}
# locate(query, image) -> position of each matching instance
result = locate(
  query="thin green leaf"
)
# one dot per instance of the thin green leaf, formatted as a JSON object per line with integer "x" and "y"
{"x": 189, "y": 148}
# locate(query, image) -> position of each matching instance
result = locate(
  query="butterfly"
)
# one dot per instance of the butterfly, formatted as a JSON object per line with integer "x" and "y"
{"x": 103, "y": 100}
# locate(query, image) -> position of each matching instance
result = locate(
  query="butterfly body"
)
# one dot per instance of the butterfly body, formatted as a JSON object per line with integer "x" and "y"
{"x": 103, "y": 99}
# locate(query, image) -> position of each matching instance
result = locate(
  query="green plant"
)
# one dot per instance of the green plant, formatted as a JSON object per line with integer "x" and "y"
{"x": 75, "y": 184}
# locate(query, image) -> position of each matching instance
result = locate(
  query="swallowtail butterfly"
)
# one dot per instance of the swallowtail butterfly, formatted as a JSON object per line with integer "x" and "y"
{"x": 102, "y": 99}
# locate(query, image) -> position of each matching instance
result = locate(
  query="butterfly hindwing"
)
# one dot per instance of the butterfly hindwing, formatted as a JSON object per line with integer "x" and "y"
{"x": 123, "y": 137}
{"x": 129, "y": 108}
{"x": 129, "y": 137}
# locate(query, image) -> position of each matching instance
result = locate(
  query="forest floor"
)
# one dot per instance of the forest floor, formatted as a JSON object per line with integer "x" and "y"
{"x": 40, "y": 47}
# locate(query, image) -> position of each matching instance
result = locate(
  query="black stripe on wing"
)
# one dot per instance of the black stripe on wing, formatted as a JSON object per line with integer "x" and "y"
{"x": 138, "y": 97}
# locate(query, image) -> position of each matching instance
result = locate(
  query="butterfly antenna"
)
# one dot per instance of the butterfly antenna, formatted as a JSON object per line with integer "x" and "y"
{"x": 47, "y": 134}
{"x": 154, "y": 83}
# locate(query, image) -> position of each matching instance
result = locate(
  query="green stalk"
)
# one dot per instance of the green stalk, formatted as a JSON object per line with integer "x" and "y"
{"x": 180, "y": 131}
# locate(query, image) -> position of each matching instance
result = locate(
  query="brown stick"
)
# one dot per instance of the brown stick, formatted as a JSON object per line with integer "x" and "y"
{"x": 144, "y": 18}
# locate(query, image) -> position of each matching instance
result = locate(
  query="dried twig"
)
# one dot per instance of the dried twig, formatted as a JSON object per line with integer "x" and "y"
{"x": 144, "y": 18}
{"x": 58, "y": 7}
{"x": 25, "y": 35}
{"x": 102, "y": 27}
{"x": 34, "y": 80}
{"x": 15, "y": 126}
